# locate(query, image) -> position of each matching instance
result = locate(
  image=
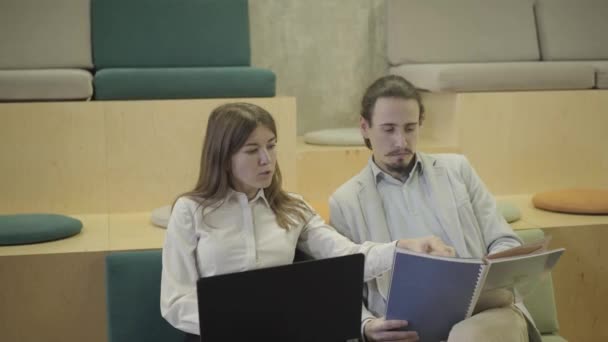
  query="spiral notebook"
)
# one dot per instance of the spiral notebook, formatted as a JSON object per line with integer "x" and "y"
{"x": 434, "y": 293}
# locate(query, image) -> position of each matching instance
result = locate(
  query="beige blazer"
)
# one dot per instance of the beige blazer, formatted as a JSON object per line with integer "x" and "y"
{"x": 466, "y": 211}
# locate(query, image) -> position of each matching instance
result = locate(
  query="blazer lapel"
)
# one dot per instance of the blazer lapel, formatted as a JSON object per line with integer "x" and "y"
{"x": 445, "y": 207}
{"x": 375, "y": 221}
{"x": 372, "y": 207}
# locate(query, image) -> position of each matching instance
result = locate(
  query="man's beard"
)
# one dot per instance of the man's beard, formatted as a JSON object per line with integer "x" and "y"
{"x": 402, "y": 169}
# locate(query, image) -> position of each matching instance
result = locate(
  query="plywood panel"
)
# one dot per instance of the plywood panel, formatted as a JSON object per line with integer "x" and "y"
{"x": 153, "y": 151}
{"x": 54, "y": 298}
{"x": 123, "y": 156}
{"x": 440, "y": 123}
{"x": 322, "y": 169}
{"x": 581, "y": 282}
{"x": 52, "y": 158}
{"x": 154, "y": 148}
{"x": 134, "y": 231}
{"x": 525, "y": 142}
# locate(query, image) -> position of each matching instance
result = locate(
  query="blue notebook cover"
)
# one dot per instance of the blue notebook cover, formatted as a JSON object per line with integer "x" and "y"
{"x": 433, "y": 293}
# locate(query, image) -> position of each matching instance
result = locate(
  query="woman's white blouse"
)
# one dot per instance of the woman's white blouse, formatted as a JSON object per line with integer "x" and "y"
{"x": 242, "y": 235}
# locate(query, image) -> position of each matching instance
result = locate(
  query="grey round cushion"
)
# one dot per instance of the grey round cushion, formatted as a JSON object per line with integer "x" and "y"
{"x": 19, "y": 229}
{"x": 160, "y": 216}
{"x": 336, "y": 136}
{"x": 509, "y": 211}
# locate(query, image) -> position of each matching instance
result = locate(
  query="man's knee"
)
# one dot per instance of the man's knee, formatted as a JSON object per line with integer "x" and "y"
{"x": 468, "y": 331}
{"x": 500, "y": 324}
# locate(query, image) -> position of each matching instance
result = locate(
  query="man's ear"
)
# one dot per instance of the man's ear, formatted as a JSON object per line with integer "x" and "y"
{"x": 364, "y": 127}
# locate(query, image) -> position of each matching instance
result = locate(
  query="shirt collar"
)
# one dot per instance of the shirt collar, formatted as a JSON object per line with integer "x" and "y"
{"x": 379, "y": 174}
{"x": 258, "y": 196}
{"x": 261, "y": 196}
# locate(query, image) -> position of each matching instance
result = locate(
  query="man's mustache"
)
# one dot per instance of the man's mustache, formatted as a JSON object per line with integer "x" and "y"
{"x": 400, "y": 152}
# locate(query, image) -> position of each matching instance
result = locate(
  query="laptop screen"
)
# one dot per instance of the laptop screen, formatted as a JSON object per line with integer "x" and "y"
{"x": 317, "y": 300}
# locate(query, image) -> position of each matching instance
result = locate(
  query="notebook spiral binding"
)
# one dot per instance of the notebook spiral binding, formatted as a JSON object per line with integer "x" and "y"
{"x": 481, "y": 278}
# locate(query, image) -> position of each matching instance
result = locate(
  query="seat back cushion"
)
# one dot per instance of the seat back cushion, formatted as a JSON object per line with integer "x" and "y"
{"x": 446, "y": 31}
{"x": 183, "y": 83}
{"x": 572, "y": 30}
{"x": 37, "y": 34}
{"x": 133, "y": 295}
{"x": 170, "y": 33}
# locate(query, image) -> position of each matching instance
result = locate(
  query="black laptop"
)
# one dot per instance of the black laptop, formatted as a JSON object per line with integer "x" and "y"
{"x": 317, "y": 300}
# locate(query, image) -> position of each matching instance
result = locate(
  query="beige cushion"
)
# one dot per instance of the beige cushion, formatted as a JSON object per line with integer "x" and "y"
{"x": 601, "y": 79}
{"x": 160, "y": 216}
{"x": 572, "y": 30}
{"x": 337, "y": 136}
{"x": 574, "y": 201}
{"x": 601, "y": 74}
{"x": 61, "y": 84}
{"x": 448, "y": 31}
{"x": 600, "y": 68}
{"x": 38, "y": 34}
{"x": 498, "y": 76}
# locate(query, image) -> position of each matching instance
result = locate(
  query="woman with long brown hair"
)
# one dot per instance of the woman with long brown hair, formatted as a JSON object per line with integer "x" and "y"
{"x": 239, "y": 218}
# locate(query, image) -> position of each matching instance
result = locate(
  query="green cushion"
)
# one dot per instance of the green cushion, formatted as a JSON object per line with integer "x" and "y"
{"x": 170, "y": 33}
{"x": 541, "y": 302}
{"x": 183, "y": 83}
{"x": 133, "y": 295}
{"x": 509, "y": 211}
{"x": 31, "y": 228}
{"x": 553, "y": 338}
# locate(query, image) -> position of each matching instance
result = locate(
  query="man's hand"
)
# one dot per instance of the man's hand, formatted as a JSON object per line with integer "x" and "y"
{"x": 379, "y": 329}
{"x": 427, "y": 245}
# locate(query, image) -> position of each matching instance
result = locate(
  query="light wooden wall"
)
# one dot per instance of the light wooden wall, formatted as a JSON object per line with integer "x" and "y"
{"x": 322, "y": 169}
{"x": 53, "y": 298}
{"x": 103, "y": 157}
{"x": 518, "y": 142}
{"x": 581, "y": 282}
{"x": 526, "y": 142}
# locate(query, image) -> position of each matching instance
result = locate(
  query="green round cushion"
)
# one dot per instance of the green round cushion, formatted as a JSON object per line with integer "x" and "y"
{"x": 509, "y": 211}
{"x": 22, "y": 229}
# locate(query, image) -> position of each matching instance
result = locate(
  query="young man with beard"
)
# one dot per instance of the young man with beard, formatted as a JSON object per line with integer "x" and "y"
{"x": 403, "y": 193}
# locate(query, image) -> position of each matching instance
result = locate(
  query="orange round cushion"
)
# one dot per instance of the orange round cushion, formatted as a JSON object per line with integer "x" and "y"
{"x": 573, "y": 201}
